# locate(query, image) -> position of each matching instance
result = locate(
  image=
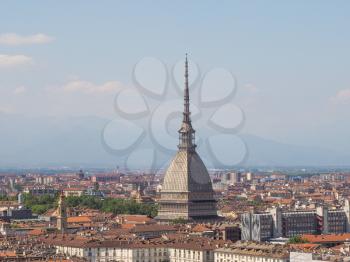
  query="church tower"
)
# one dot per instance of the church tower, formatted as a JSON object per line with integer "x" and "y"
{"x": 187, "y": 190}
{"x": 61, "y": 214}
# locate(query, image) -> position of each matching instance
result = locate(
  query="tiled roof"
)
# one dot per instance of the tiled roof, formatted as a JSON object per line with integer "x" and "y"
{"x": 193, "y": 243}
{"x": 127, "y": 226}
{"x": 256, "y": 249}
{"x": 151, "y": 228}
{"x": 36, "y": 232}
{"x": 79, "y": 219}
{"x": 303, "y": 246}
{"x": 4, "y": 254}
{"x": 200, "y": 228}
{"x": 136, "y": 218}
{"x": 326, "y": 238}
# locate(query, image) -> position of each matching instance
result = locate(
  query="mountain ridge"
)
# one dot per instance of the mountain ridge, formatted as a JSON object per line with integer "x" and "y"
{"x": 76, "y": 142}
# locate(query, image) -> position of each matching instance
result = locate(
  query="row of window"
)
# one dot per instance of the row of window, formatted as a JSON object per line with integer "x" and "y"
{"x": 242, "y": 258}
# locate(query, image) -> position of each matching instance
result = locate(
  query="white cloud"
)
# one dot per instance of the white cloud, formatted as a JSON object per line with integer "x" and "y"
{"x": 20, "y": 90}
{"x": 15, "y": 39}
{"x": 7, "y": 61}
{"x": 91, "y": 88}
{"x": 342, "y": 97}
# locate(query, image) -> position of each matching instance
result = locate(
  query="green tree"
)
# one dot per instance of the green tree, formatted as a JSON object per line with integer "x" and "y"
{"x": 297, "y": 240}
{"x": 7, "y": 198}
{"x": 39, "y": 204}
{"x": 40, "y": 209}
{"x": 179, "y": 221}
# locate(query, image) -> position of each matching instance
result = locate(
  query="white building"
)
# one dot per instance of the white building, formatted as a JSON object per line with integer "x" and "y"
{"x": 136, "y": 250}
{"x": 115, "y": 253}
{"x": 185, "y": 249}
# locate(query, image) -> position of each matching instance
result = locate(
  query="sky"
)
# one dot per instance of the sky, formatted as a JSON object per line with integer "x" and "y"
{"x": 290, "y": 58}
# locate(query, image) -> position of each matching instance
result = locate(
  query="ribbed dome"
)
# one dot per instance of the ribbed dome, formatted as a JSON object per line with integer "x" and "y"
{"x": 187, "y": 173}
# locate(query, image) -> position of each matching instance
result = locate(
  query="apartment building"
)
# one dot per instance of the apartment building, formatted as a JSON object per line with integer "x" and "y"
{"x": 135, "y": 250}
{"x": 296, "y": 223}
{"x": 277, "y": 223}
{"x": 177, "y": 249}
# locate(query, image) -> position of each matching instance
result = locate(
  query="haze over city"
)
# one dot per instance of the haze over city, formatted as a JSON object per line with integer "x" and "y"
{"x": 174, "y": 131}
{"x": 62, "y": 64}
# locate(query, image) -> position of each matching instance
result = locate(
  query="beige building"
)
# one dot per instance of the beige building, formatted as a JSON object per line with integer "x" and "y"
{"x": 156, "y": 250}
{"x": 166, "y": 248}
{"x": 181, "y": 252}
{"x": 187, "y": 189}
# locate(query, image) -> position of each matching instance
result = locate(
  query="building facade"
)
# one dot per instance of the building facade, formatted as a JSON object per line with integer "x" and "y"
{"x": 135, "y": 250}
{"x": 277, "y": 223}
{"x": 257, "y": 227}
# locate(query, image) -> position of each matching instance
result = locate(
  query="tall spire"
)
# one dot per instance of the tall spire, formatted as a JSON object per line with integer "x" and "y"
{"x": 186, "y": 131}
{"x": 186, "y": 113}
{"x": 62, "y": 214}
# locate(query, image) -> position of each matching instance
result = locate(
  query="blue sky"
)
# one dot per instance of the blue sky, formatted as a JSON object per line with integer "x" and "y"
{"x": 290, "y": 58}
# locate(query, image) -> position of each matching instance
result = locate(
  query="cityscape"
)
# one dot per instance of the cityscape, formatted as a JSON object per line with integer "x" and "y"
{"x": 206, "y": 155}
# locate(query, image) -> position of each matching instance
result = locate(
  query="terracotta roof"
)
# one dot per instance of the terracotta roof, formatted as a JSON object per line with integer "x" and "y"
{"x": 256, "y": 249}
{"x": 36, "y": 232}
{"x": 79, "y": 219}
{"x": 200, "y": 228}
{"x": 7, "y": 253}
{"x": 151, "y": 228}
{"x": 127, "y": 226}
{"x": 327, "y": 238}
{"x": 136, "y": 218}
{"x": 304, "y": 246}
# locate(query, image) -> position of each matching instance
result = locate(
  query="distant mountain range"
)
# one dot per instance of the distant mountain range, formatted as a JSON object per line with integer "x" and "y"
{"x": 76, "y": 142}
{"x": 264, "y": 152}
